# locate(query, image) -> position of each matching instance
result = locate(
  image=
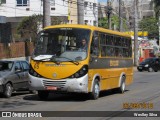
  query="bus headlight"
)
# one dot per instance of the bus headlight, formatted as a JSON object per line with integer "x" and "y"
{"x": 33, "y": 72}
{"x": 83, "y": 71}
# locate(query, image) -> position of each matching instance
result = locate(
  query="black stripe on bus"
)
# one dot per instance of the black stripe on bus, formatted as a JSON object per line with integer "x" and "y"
{"x": 103, "y": 63}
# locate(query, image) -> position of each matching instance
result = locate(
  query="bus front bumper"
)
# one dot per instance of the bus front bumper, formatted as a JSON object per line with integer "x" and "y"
{"x": 79, "y": 85}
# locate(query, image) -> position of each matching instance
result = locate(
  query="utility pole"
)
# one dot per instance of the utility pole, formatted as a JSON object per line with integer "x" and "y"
{"x": 120, "y": 15}
{"x": 108, "y": 13}
{"x": 80, "y": 11}
{"x": 46, "y": 13}
{"x": 159, "y": 29}
{"x": 135, "y": 33}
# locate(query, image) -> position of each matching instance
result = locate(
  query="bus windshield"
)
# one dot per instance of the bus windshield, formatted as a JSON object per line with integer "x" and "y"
{"x": 62, "y": 44}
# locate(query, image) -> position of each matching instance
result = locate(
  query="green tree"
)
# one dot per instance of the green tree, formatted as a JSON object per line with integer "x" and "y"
{"x": 150, "y": 25}
{"x": 29, "y": 26}
{"x": 156, "y": 4}
{"x": 56, "y": 20}
{"x": 103, "y": 22}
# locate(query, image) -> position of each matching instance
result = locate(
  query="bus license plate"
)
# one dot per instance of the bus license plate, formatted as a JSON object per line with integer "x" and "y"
{"x": 51, "y": 88}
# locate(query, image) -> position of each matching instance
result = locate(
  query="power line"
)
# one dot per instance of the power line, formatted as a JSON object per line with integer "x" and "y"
{"x": 73, "y": 2}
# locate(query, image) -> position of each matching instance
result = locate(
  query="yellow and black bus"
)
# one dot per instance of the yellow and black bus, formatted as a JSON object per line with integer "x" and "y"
{"x": 59, "y": 64}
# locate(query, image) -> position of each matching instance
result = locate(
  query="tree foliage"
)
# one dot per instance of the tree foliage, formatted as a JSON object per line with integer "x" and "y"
{"x": 29, "y": 26}
{"x": 103, "y": 22}
{"x": 156, "y": 4}
{"x": 56, "y": 20}
{"x": 150, "y": 25}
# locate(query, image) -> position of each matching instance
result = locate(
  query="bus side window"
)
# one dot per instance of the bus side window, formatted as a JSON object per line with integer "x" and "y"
{"x": 95, "y": 46}
{"x": 110, "y": 51}
{"x": 103, "y": 51}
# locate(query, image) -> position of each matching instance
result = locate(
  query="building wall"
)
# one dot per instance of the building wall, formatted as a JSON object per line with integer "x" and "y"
{"x": 72, "y": 12}
{"x": 144, "y": 10}
{"x": 60, "y": 9}
{"x": 14, "y": 50}
{"x": 11, "y": 8}
{"x": 91, "y": 12}
{"x": 101, "y": 10}
{"x": 15, "y": 12}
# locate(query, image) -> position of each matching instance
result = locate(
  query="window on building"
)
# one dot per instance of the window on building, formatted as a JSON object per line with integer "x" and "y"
{"x": 2, "y": 1}
{"x": 94, "y": 6}
{"x": 85, "y": 22}
{"x": 85, "y": 7}
{"x": 22, "y": 2}
{"x": 85, "y": 4}
{"x": 52, "y": 2}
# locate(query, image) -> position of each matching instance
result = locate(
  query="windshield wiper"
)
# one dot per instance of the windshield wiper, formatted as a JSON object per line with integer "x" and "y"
{"x": 52, "y": 59}
{"x": 70, "y": 60}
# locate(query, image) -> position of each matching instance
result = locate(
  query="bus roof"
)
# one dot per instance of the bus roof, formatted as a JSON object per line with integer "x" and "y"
{"x": 88, "y": 27}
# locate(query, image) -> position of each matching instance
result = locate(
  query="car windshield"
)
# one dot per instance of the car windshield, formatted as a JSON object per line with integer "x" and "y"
{"x": 62, "y": 44}
{"x": 6, "y": 65}
{"x": 148, "y": 60}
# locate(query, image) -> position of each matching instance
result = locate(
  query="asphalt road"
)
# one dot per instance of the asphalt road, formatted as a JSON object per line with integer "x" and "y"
{"x": 145, "y": 89}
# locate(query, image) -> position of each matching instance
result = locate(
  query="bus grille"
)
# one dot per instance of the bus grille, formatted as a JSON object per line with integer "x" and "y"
{"x": 59, "y": 84}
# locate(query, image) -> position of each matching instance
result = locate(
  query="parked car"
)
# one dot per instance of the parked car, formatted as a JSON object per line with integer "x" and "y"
{"x": 13, "y": 76}
{"x": 149, "y": 64}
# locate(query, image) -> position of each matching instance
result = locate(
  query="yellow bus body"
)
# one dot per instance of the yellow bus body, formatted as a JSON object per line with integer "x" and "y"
{"x": 109, "y": 77}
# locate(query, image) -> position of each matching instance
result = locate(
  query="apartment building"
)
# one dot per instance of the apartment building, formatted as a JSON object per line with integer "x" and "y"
{"x": 145, "y": 9}
{"x": 91, "y": 12}
{"x": 72, "y": 12}
{"x": 65, "y": 11}
{"x": 101, "y": 10}
{"x": 13, "y": 11}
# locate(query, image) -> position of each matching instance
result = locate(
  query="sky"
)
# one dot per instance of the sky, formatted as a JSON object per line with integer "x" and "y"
{"x": 102, "y": 0}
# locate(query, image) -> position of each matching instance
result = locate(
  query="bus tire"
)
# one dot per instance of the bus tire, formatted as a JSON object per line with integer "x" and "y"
{"x": 95, "y": 91}
{"x": 8, "y": 90}
{"x": 43, "y": 95}
{"x": 122, "y": 87}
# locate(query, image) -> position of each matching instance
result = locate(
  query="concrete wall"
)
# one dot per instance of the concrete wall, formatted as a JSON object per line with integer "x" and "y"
{"x": 14, "y": 50}
{"x": 10, "y": 9}
{"x": 91, "y": 12}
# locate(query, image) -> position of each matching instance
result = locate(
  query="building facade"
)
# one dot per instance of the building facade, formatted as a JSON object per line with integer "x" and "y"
{"x": 72, "y": 12}
{"x": 145, "y": 9}
{"x": 61, "y": 11}
{"x": 16, "y": 10}
{"x": 91, "y": 12}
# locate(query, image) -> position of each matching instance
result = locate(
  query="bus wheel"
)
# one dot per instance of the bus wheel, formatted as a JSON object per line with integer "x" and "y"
{"x": 122, "y": 87}
{"x": 96, "y": 90}
{"x": 43, "y": 95}
{"x": 8, "y": 90}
